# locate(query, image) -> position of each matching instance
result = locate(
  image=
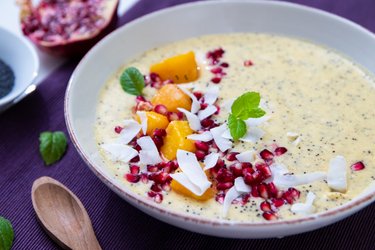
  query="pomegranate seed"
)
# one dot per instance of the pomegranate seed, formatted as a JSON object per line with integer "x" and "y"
{"x": 258, "y": 177}
{"x": 248, "y": 63}
{"x": 224, "y": 65}
{"x": 358, "y": 166}
{"x": 134, "y": 169}
{"x": 248, "y": 178}
{"x": 269, "y": 216}
{"x": 216, "y": 70}
{"x": 166, "y": 187}
{"x": 220, "y": 198}
{"x": 247, "y": 168}
{"x": 155, "y": 188}
{"x": 254, "y": 191}
{"x": 171, "y": 165}
{"x": 197, "y": 94}
{"x": 118, "y": 129}
{"x": 204, "y": 105}
{"x": 144, "y": 106}
{"x": 161, "y": 109}
{"x": 151, "y": 194}
{"x": 159, "y": 132}
{"x": 216, "y": 79}
{"x": 231, "y": 156}
{"x": 220, "y": 163}
{"x": 154, "y": 77}
{"x": 161, "y": 178}
{"x": 161, "y": 165}
{"x": 245, "y": 199}
{"x": 272, "y": 189}
{"x": 207, "y": 123}
{"x": 224, "y": 175}
{"x": 224, "y": 185}
{"x": 158, "y": 198}
{"x": 236, "y": 169}
{"x": 135, "y": 159}
{"x": 265, "y": 206}
{"x": 152, "y": 168}
{"x": 277, "y": 202}
{"x": 217, "y": 110}
{"x": 201, "y": 146}
{"x": 140, "y": 98}
{"x": 144, "y": 178}
{"x": 291, "y": 195}
{"x": 158, "y": 141}
{"x": 133, "y": 178}
{"x": 264, "y": 170}
{"x": 266, "y": 154}
{"x": 200, "y": 154}
{"x": 263, "y": 192}
{"x": 280, "y": 151}
{"x": 172, "y": 116}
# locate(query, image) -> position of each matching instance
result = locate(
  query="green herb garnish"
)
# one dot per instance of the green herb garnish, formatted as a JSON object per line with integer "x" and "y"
{"x": 6, "y": 234}
{"x": 52, "y": 146}
{"x": 132, "y": 81}
{"x": 244, "y": 107}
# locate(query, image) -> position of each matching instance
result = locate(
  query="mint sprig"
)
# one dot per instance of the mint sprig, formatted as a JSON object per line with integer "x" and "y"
{"x": 52, "y": 146}
{"x": 132, "y": 81}
{"x": 244, "y": 107}
{"x": 6, "y": 234}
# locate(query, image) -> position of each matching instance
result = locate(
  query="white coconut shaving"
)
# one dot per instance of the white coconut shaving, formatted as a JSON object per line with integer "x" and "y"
{"x": 120, "y": 152}
{"x": 130, "y": 130}
{"x": 305, "y": 208}
{"x": 230, "y": 196}
{"x": 336, "y": 176}
{"x": 192, "y": 176}
{"x": 205, "y": 136}
{"x": 211, "y": 94}
{"x": 149, "y": 154}
{"x": 241, "y": 186}
{"x": 195, "y": 105}
{"x": 210, "y": 160}
{"x": 143, "y": 117}
{"x": 207, "y": 112}
{"x": 193, "y": 120}
{"x": 246, "y": 156}
{"x": 222, "y": 143}
{"x": 253, "y": 135}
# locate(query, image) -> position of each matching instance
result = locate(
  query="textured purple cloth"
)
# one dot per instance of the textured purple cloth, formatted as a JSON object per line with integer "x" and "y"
{"x": 118, "y": 225}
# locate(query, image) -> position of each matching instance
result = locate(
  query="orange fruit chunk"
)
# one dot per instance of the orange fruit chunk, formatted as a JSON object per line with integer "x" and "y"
{"x": 177, "y": 187}
{"x": 154, "y": 121}
{"x": 176, "y": 139}
{"x": 180, "y": 69}
{"x": 172, "y": 97}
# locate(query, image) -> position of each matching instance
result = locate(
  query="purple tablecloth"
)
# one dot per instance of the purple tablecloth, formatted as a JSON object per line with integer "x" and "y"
{"x": 118, "y": 225}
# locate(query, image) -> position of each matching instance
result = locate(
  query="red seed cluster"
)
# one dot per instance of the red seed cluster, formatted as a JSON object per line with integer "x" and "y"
{"x": 218, "y": 67}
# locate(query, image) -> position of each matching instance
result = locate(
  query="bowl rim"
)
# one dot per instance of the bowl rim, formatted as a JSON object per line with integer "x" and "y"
{"x": 343, "y": 210}
{"x": 36, "y": 64}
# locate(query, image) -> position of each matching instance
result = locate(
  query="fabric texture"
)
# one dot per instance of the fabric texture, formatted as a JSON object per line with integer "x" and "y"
{"x": 117, "y": 224}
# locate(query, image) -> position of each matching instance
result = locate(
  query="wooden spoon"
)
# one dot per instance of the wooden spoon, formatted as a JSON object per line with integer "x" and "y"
{"x": 62, "y": 215}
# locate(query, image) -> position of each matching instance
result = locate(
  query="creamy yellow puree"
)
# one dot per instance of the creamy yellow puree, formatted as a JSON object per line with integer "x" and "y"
{"x": 308, "y": 89}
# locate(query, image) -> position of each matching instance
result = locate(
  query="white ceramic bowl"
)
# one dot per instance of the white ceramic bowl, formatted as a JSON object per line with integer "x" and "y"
{"x": 20, "y": 55}
{"x": 193, "y": 20}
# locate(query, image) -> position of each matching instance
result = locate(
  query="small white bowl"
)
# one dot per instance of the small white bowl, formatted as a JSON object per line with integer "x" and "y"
{"x": 20, "y": 55}
{"x": 192, "y": 20}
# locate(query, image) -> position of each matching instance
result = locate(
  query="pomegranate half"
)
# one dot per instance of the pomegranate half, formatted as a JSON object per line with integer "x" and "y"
{"x": 67, "y": 27}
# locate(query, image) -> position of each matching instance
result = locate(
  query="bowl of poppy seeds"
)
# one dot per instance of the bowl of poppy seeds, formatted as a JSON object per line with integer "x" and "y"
{"x": 19, "y": 65}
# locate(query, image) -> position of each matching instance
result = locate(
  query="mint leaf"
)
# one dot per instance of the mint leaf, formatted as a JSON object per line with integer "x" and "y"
{"x": 132, "y": 81}
{"x": 237, "y": 127}
{"x": 6, "y": 234}
{"x": 246, "y": 106}
{"x": 52, "y": 146}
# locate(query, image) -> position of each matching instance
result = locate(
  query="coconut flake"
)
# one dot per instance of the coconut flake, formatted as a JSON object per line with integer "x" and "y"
{"x": 130, "y": 130}
{"x": 208, "y": 111}
{"x": 195, "y": 105}
{"x": 194, "y": 122}
{"x": 210, "y": 160}
{"x": 205, "y": 136}
{"x": 246, "y": 156}
{"x": 211, "y": 95}
{"x": 192, "y": 176}
{"x": 120, "y": 152}
{"x": 254, "y": 122}
{"x": 230, "y": 196}
{"x": 253, "y": 135}
{"x": 336, "y": 176}
{"x": 305, "y": 208}
{"x": 292, "y": 136}
{"x": 149, "y": 154}
{"x": 292, "y": 180}
{"x": 143, "y": 117}
{"x": 241, "y": 186}
{"x": 222, "y": 143}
